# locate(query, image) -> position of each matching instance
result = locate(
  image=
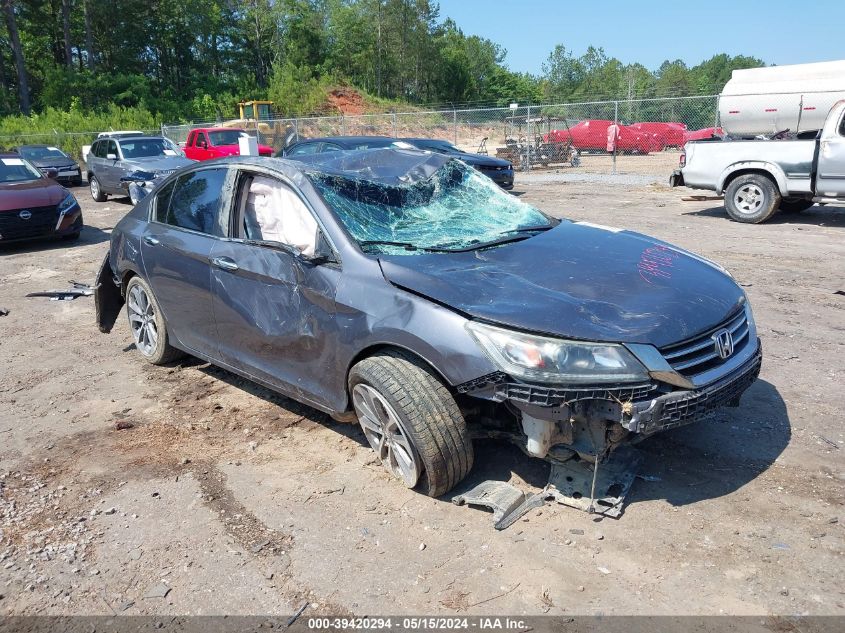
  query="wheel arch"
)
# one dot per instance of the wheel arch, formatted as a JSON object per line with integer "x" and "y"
{"x": 373, "y": 349}
{"x": 770, "y": 170}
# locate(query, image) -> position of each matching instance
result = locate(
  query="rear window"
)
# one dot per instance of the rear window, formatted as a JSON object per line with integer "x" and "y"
{"x": 193, "y": 202}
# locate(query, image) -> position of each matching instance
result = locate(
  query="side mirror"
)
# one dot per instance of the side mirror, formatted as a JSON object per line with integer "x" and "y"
{"x": 204, "y": 144}
{"x": 51, "y": 173}
{"x": 323, "y": 252}
{"x": 111, "y": 156}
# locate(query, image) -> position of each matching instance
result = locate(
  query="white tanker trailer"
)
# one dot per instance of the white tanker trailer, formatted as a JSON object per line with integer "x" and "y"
{"x": 762, "y": 101}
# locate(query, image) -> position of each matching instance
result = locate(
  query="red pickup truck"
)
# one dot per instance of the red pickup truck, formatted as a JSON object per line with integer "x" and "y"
{"x": 206, "y": 143}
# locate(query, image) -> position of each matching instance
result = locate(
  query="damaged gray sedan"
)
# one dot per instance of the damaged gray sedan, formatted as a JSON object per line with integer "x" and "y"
{"x": 405, "y": 290}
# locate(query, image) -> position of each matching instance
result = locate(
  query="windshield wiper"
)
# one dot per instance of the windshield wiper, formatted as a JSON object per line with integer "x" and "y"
{"x": 527, "y": 229}
{"x": 406, "y": 245}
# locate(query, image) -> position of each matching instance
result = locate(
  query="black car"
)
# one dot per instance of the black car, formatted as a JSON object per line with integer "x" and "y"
{"x": 46, "y": 157}
{"x": 334, "y": 144}
{"x": 498, "y": 170}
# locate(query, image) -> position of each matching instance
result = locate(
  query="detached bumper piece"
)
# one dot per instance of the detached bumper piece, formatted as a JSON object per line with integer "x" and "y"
{"x": 683, "y": 407}
{"x": 575, "y": 483}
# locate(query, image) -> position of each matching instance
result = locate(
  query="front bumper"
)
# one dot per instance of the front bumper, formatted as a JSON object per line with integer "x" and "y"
{"x": 503, "y": 177}
{"x": 642, "y": 408}
{"x": 44, "y": 222}
{"x": 676, "y": 179}
{"x": 678, "y": 408}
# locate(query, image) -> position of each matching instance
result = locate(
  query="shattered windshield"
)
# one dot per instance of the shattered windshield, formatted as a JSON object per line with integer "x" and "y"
{"x": 456, "y": 208}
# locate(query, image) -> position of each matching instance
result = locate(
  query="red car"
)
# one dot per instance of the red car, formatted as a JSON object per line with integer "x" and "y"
{"x": 705, "y": 133}
{"x": 671, "y": 134}
{"x": 33, "y": 205}
{"x": 206, "y": 143}
{"x": 592, "y": 135}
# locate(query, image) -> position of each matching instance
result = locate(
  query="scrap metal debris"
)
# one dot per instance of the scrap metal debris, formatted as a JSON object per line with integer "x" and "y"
{"x": 579, "y": 484}
{"x": 4, "y": 311}
{"x": 77, "y": 289}
{"x": 507, "y": 502}
{"x": 576, "y": 483}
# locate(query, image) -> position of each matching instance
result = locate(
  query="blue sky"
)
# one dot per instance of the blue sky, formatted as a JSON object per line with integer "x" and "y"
{"x": 647, "y": 31}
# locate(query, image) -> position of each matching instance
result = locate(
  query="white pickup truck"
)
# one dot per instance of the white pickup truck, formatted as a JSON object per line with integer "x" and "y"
{"x": 760, "y": 176}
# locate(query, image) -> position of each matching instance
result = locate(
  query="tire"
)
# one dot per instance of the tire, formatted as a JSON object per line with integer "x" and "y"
{"x": 77, "y": 182}
{"x": 395, "y": 394}
{"x": 752, "y": 198}
{"x": 71, "y": 237}
{"x": 794, "y": 205}
{"x": 147, "y": 324}
{"x": 96, "y": 190}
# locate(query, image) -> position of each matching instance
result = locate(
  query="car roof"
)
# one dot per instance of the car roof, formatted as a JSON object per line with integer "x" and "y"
{"x": 340, "y": 140}
{"x": 218, "y": 129}
{"x": 420, "y": 139}
{"x": 143, "y": 137}
{"x": 9, "y": 155}
{"x": 38, "y": 145}
{"x": 386, "y": 165}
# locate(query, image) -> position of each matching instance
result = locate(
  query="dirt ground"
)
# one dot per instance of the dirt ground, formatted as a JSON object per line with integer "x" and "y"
{"x": 127, "y": 488}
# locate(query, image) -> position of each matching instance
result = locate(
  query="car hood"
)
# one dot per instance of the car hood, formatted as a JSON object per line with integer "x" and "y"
{"x": 578, "y": 281}
{"x": 157, "y": 163}
{"x": 53, "y": 161}
{"x": 30, "y": 194}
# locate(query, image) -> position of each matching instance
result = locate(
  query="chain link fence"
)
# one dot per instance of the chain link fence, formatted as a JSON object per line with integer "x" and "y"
{"x": 571, "y": 136}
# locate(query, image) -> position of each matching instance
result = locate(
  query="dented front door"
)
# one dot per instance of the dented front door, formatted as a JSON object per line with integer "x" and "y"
{"x": 275, "y": 314}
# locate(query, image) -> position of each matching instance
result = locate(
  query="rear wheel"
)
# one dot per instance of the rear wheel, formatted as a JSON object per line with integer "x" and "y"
{"x": 794, "y": 205}
{"x": 411, "y": 421}
{"x": 752, "y": 198}
{"x": 96, "y": 190}
{"x": 147, "y": 324}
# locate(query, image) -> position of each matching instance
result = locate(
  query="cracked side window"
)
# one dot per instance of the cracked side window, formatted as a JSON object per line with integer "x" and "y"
{"x": 456, "y": 208}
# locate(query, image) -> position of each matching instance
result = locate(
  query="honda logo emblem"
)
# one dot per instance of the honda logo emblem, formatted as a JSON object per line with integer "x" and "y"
{"x": 724, "y": 343}
{"x": 25, "y": 214}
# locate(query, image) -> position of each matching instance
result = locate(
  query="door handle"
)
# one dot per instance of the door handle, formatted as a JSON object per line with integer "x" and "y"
{"x": 152, "y": 241}
{"x": 225, "y": 263}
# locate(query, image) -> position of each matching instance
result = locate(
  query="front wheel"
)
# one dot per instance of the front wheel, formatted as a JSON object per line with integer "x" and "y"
{"x": 411, "y": 421}
{"x": 96, "y": 190}
{"x": 794, "y": 205}
{"x": 752, "y": 198}
{"x": 147, "y": 324}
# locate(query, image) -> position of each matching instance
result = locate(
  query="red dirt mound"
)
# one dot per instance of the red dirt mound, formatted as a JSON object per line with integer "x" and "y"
{"x": 346, "y": 101}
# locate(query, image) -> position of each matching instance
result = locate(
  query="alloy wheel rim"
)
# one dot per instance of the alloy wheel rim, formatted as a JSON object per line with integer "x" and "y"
{"x": 95, "y": 188}
{"x": 142, "y": 320}
{"x": 749, "y": 198}
{"x": 384, "y": 432}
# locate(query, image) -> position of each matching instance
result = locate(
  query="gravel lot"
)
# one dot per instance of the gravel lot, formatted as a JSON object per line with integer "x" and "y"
{"x": 221, "y": 497}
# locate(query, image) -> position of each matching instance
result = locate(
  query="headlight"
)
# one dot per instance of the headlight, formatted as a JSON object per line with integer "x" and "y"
{"x": 542, "y": 359}
{"x": 68, "y": 202}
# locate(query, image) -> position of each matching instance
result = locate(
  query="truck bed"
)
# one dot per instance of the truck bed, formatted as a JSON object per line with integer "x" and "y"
{"x": 707, "y": 162}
